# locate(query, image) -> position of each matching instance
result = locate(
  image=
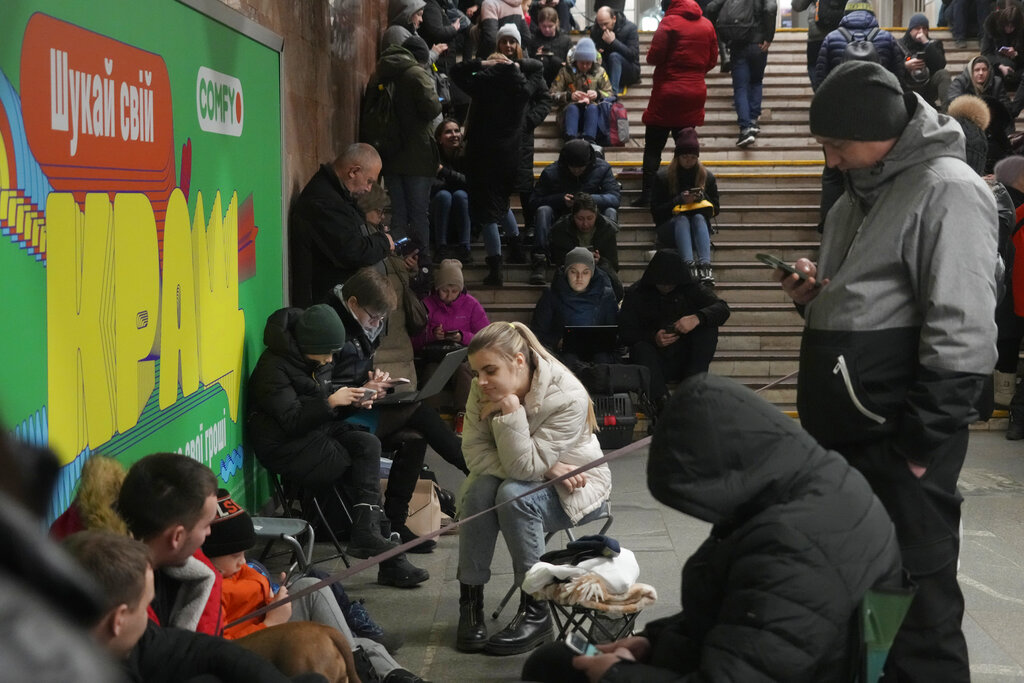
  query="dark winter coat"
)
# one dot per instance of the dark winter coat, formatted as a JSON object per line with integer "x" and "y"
{"x": 539, "y": 103}
{"x": 934, "y": 52}
{"x": 683, "y": 49}
{"x": 287, "y": 392}
{"x": 859, "y": 23}
{"x": 555, "y": 181}
{"x": 565, "y": 237}
{"x": 663, "y": 201}
{"x": 329, "y": 238}
{"x": 626, "y": 43}
{"x": 554, "y": 52}
{"x": 559, "y": 307}
{"x": 797, "y": 540}
{"x": 416, "y": 106}
{"x": 494, "y": 133}
{"x": 993, "y": 92}
{"x": 645, "y": 310}
{"x": 765, "y": 12}
{"x": 355, "y": 359}
{"x": 994, "y": 37}
{"x": 452, "y": 174}
{"x": 171, "y": 655}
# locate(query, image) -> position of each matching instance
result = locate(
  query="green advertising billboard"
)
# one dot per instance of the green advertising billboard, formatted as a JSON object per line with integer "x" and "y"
{"x": 140, "y": 209}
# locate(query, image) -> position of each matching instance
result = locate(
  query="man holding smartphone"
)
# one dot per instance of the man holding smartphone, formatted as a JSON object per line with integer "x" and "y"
{"x": 899, "y": 336}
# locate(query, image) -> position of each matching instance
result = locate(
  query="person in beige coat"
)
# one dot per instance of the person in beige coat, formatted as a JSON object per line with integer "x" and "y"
{"x": 528, "y": 419}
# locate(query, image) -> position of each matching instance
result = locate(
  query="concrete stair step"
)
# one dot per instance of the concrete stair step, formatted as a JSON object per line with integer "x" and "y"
{"x": 745, "y": 338}
{"x": 762, "y": 365}
{"x": 744, "y": 314}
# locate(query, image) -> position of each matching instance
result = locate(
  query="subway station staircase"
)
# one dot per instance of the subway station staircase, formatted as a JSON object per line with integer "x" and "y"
{"x": 769, "y": 203}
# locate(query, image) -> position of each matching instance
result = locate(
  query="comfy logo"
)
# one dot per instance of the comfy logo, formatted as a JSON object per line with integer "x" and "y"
{"x": 219, "y": 102}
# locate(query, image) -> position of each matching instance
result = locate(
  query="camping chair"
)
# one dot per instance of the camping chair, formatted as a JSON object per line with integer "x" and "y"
{"x": 879, "y": 617}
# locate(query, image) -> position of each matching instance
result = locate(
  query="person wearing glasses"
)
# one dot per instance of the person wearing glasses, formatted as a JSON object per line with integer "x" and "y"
{"x": 363, "y": 303}
{"x": 295, "y": 425}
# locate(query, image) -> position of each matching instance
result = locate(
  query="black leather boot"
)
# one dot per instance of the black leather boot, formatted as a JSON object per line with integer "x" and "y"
{"x": 530, "y": 627}
{"x": 366, "y": 540}
{"x": 472, "y": 633}
{"x": 538, "y": 271}
{"x": 494, "y": 276}
{"x": 516, "y": 253}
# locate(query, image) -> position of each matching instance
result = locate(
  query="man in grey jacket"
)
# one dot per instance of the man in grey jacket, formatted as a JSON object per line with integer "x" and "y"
{"x": 899, "y": 333}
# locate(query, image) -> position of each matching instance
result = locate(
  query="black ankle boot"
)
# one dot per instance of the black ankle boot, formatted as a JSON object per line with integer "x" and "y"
{"x": 366, "y": 540}
{"x": 516, "y": 253}
{"x": 494, "y": 277}
{"x": 530, "y": 627}
{"x": 407, "y": 534}
{"x": 472, "y": 633}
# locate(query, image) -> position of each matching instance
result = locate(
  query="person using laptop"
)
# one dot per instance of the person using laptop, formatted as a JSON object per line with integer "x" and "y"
{"x": 580, "y": 297}
{"x": 363, "y": 303}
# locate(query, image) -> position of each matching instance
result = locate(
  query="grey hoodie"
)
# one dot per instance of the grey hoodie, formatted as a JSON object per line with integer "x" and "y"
{"x": 899, "y": 340}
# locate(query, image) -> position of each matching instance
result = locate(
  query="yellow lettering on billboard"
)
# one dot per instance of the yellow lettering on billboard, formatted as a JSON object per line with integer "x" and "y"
{"x": 79, "y": 323}
{"x": 221, "y": 324}
{"x": 179, "y": 350}
{"x": 137, "y": 296}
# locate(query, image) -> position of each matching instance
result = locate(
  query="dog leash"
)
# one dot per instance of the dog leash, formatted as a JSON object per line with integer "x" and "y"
{"x": 369, "y": 562}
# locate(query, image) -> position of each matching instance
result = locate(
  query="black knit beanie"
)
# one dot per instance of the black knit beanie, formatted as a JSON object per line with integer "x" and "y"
{"x": 319, "y": 330}
{"x": 859, "y": 101}
{"x": 232, "y": 531}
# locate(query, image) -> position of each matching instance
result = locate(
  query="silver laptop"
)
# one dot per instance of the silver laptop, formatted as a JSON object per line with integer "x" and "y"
{"x": 434, "y": 385}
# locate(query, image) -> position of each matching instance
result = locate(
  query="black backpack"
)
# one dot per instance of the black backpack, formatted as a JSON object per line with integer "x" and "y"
{"x": 378, "y": 120}
{"x": 736, "y": 21}
{"x": 828, "y": 14}
{"x": 860, "y": 48}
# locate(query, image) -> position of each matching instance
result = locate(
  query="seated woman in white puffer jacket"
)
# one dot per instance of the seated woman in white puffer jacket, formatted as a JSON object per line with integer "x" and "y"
{"x": 528, "y": 419}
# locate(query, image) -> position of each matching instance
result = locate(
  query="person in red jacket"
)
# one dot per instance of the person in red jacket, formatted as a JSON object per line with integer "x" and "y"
{"x": 683, "y": 49}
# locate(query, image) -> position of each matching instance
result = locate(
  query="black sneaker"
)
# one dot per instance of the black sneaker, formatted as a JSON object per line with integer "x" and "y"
{"x": 754, "y": 128}
{"x": 746, "y": 139}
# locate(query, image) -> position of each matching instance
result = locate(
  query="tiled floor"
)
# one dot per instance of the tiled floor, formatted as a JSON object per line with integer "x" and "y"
{"x": 991, "y": 571}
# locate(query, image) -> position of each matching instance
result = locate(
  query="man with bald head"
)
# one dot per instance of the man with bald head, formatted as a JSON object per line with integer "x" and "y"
{"x": 329, "y": 237}
{"x": 618, "y": 42}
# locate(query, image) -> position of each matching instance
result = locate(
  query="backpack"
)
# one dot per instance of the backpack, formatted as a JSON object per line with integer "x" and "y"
{"x": 860, "y": 48}
{"x": 828, "y": 14}
{"x": 378, "y": 118}
{"x": 736, "y": 21}
{"x": 618, "y": 125}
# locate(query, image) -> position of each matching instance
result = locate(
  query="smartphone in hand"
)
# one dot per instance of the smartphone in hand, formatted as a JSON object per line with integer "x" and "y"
{"x": 578, "y": 643}
{"x": 776, "y": 262}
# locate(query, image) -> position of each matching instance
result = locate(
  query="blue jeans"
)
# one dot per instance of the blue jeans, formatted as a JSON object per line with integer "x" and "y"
{"x": 523, "y": 524}
{"x": 748, "y": 64}
{"x": 448, "y": 210}
{"x": 589, "y": 113}
{"x": 492, "y": 238}
{"x": 960, "y": 17}
{"x": 614, "y": 67}
{"x": 545, "y": 216}
{"x": 690, "y": 234}
{"x": 410, "y": 208}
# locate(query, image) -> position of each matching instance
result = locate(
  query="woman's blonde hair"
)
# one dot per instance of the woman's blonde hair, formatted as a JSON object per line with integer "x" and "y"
{"x": 508, "y": 338}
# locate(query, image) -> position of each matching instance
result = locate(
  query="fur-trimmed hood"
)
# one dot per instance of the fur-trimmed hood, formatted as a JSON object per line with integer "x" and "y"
{"x": 972, "y": 108}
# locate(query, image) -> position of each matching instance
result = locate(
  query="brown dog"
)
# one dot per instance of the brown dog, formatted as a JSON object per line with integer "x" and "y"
{"x": 299, "y": 647}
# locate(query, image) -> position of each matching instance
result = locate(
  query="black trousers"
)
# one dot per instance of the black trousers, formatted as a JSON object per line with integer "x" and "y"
{"x": 930, "y": 645}
{"x": 655, "y": 138}
{"x": 689, "y": 356}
